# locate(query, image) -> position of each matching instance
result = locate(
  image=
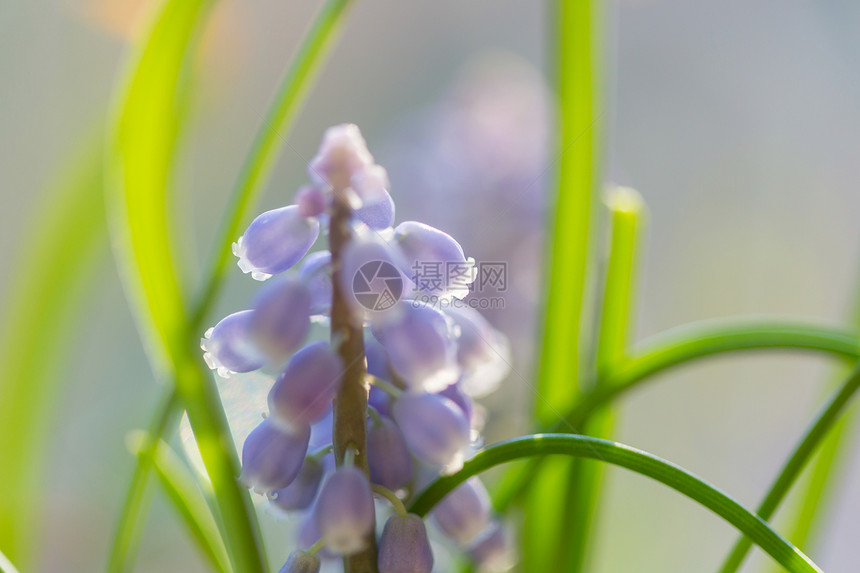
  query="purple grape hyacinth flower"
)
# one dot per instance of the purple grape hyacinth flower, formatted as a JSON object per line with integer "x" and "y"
{"x": 312, "y": 202}
{"x": 404, "y": 547}
{"x": 387, "y": 456}
{"x": 303, "y": 393}
{"x": 483, "y": 353}
{"x": 370, "y": 277}
{"x": 315, "y": 271}
{"x": 275, "y": 241}
{"x": 301, "y": 493}
{"x": 228, "y": 347}
{"x": 378, "y": 214}
{"x": 272, "y": 457}
{"x": 281, "y": 318}
{"x": 420, "y": 346}
{"x": 424, "y": 246}
{"x": 344, "y": 512}
{"x": 492, "y": 551}
{"x": 464, "y": 513}
{"x": 434, "y": 427}
{"x": 301, "y": 562}
{"x": 342, "y": 153}
{"x": 456, "y": 395}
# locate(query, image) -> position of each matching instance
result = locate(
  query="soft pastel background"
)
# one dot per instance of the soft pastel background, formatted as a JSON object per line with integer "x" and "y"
{"x": 738, "y": 122}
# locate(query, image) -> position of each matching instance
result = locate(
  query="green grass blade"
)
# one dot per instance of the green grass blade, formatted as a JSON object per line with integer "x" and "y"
{"x": 584, "y": 489}
{"x": 54, "y": 268}
{"x": 270, "y": 138}
{"x": 709, "y": 338}
{"x": 680, "y": 346}
{"x": 796, "y": 462}
{"x": 141, "y": 153}
{"x": 185, "y": 495}
{"x": 632, "y": 459}
{"x": 577, "y": 146}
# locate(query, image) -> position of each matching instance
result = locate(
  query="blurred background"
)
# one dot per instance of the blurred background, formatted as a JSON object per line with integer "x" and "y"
{"x": 738, "y": 121}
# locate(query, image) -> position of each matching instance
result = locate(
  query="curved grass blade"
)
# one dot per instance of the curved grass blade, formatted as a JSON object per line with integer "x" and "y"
{"x": 54, "y": 268}
{"x": 140, "y": 157}
{"x": 796, "y": 462}
{"x": 632, "y": 459}
{"x": 186, "y": 497}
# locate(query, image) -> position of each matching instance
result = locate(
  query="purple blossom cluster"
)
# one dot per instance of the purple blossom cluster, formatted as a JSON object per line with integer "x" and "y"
{"x": 425, "y": 362}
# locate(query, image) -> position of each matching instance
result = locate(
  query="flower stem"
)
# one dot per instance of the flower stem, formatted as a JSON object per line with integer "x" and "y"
{"x": 350, "y": 403}
{"x": 395, "y": 501}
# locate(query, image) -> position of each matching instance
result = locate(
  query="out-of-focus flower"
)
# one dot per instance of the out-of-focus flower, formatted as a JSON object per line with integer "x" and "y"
{"x": 342, "y": 154}
{"x": 492, "y": 551}
{"x": 272, "y": 457}
{"x": 387, "y": 455}
{"x": 301, "y": 493}
{"x": 483, "y": 352}
{"x": 434, "y": 428}
{"x": 420, "y": 346}
{"x": 404, "y": 547}
{"x": 304, "y": 391}
{"x": 344, "y": 510}
{"x": 281, "y": 317}
{"x": 315, "y": 271}
{"x": 464, "y": 513}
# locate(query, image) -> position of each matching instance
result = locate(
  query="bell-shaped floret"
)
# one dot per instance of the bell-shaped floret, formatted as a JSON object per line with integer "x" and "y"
{"x": 492, "y": 551}
{"x": 275, "y": 241}
{"x": 312, "y": 202}
{"x": 282, "y": 318}
{"x": 301, "y": 562}
{"x": 378, "y": 214}
{"x": 303, "y": 393}
{"x": 301, "y": 493}
{"x": 464, "y": 513}
{"x": 483, "y": 353}
{"x": 309, "y": 533}
{"x": 228, "y": 347}
{"x": 420, "y": 346}
{"x": 435, "y": 261}
{"x": 342, "y": 153}
{"x": 404, "y": 547}
{"x": 434, "y": 427}
{"x": 315, "y": 271}
{"x": 377, "y": 359}
{"x": 272, "y": 457}
{"x": 370, "y": 184}
{"x": 387, "y": 455}
{"x": 456, "y": 395}
{"x": 344, "y": 510}
{"x": 370, "y": 276}
{"x": 321, "y": 431}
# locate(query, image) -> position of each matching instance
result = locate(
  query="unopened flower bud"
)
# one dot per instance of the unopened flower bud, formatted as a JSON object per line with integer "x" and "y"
{"x": 425, "y": 246}
{"x": 420, "y": 346}
{"x": 342, "y": 153}
{"x": 228, "y": 347}
{"x": 301, "y": 562}
{"x": 457, "y": 396}
{"x": 434, "y": 427}
{"x": 464, "y": 513}
{"x": 370, "y": 277}
{"x": 301, "y": 493}
{"x": 275, "y": 241}
{"x": 378, "y": 214}
{"x": 304, "y": 391}
{"x": 387, "y": 455}
{"x": 312, "y": 202}
{"x": 404, "y": 547}
{"x": 344, "y": 510}
{"x": 281, "y": 319}
{"x": 272, "y": 457}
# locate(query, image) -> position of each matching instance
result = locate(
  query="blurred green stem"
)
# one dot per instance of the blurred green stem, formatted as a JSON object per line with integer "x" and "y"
{"x": 576, "y": 148}
{"x": 627, "y": 217}
{"x": 796, "y": 462}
